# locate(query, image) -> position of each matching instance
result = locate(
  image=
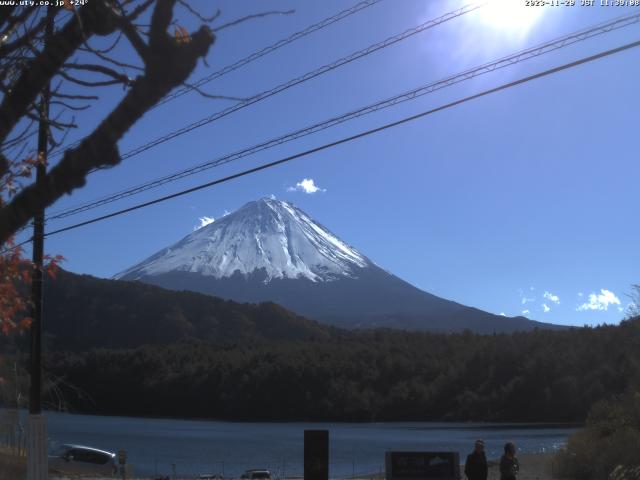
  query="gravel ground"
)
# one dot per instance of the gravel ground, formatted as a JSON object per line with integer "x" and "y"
{"x": 12, "y": 467}
{"x": 532, "y": 467}
{"x": 537, "y": 466}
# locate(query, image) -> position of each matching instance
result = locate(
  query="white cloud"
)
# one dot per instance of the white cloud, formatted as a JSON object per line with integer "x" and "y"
{"x": 545, "y": 307}
{"x": 204, "y": 221}
{"x": 551, "y": 297}
{"x": 226, "y": 212}
{"x": 502, "y": 314}
{"x": 526, "y": 312}
{"x": 524, "y": 299}
{"x": 580, "y": 294}
{"x": 600, "y": 301}
{"x": 306, "y": 185}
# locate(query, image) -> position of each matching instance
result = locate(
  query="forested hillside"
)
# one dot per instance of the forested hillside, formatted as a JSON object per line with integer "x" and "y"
{"x": 82, "y": 312}
{"x": 375, "y": 375}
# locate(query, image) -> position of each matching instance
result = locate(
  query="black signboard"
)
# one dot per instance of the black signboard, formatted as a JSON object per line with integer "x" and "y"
{"x": 422, "y": 465}
{"x": 316, "y": 454}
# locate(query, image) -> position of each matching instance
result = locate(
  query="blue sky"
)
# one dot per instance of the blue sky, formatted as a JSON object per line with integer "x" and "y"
{"x": 523, "y": 201}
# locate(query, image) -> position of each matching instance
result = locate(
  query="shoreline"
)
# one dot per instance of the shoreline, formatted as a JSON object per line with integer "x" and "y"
{"x": 453, "y": 423}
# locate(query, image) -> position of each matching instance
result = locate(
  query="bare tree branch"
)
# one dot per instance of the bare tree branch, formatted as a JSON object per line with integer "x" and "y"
{"x": 198, "y": 15}
{"x": 94, "y": 18}
{"x": 89, "y": 48}
{"x": 14, "y": 21}
{"x": 74, "y": 97}
{"x": 160, "y": 20}
{"x": 89, "y": 83}
{"x": 119, "y": 77}
{"x": 103, "y": 56}
{"x": 53, "y": 123}
{"x": 6, "y": 13}
{"x": 169, "y": 63}
{"x": 26, "y": 38}
{"x": 134, "y": 37}
{"x": 212, "y": 95}
{"x": 139, "y": 10}
{"x": 19, "y": 137}
{"x": 69, "y": 106}
{"x": 251, "y": 17}
{"x": 23, "y": 148}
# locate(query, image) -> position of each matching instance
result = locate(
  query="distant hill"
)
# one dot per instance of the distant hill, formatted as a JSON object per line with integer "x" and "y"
{"x": 83, "y": 311}
{"x": 270, "y": 250}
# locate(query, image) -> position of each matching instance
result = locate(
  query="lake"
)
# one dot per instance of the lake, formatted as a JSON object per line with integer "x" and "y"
{"x": 193, "y": 447}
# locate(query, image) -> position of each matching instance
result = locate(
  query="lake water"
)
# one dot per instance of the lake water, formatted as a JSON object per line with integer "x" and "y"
{"x": 193, "y": 447}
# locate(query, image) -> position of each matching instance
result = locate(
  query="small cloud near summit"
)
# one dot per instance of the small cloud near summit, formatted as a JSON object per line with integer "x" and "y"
{"x": 204, "y": 221}
{"x": 306, "y": 185}
{"x": 551, "y": 297}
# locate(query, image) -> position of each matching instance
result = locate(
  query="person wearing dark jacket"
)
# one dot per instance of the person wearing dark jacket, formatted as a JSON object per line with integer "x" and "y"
{"x": 509, "y": 466}
{"x": 475, "y": 468}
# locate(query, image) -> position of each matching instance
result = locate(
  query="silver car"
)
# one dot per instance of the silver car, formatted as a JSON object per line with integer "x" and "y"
{"x": 256, "y": 475}
{"x": 81, "y": 460}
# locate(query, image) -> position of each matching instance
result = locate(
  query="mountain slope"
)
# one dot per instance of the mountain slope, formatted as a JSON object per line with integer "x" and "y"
{"x": 270, "y": 250}
{"x": 85, "y": 312}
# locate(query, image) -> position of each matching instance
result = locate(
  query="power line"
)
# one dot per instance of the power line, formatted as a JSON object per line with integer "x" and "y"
{"x": 366, "y": 133}
{"x": 303, "y": 78}
{"x": 504, "y": 62}
{"x": 255, "y": 56}
{"x": 271, "y": 48}
{"x": 16, "y": 246}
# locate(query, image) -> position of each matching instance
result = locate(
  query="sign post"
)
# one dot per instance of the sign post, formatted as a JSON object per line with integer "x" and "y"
{"x": 316, "y": 454}
{"x": 422, "y": 465}
{"x": 122, "y": 460}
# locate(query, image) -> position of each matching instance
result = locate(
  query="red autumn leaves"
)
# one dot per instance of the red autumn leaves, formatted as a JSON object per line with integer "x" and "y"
{"x": 15, "y": 271}
{"x": 15, "y": 280}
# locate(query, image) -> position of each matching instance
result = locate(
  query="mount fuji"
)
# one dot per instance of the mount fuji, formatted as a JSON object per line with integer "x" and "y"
{"x": 270, "y": 250}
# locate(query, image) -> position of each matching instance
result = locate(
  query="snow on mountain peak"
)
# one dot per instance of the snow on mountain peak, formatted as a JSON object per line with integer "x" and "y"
{"x": 267, "y": 234}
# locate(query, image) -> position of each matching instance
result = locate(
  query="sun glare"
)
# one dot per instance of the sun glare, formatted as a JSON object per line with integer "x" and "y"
{"x": 510, "y": 15}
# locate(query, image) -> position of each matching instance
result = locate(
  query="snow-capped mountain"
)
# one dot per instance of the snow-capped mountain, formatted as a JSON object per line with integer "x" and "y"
{"x": 267, "y": 235}
{"x": 270, "y": 250}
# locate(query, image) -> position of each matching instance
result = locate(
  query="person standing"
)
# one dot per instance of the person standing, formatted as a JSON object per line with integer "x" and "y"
{"x": 509, "y": 466}
{"x": 475, "y": 468}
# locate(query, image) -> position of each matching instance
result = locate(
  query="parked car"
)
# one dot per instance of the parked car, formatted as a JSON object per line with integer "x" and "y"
{"x": 81, "y": 460}
{"x": 256, "y": 475}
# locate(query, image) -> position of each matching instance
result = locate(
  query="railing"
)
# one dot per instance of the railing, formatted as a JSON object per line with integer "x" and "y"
{"x": 12, "y": 446}
{"x": 12, "y": 433}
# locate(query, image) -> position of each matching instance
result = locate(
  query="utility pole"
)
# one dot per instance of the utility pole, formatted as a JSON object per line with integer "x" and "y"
{"x": 37, "y": 455}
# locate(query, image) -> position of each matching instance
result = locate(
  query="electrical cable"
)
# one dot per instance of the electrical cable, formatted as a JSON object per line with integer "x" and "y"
{"x": 366, "y": 133}
{"x": 253, "y": 56}
{"x": 298, "y": 80}
{"x": 271, "y": 48}
{"x": 518, "y": 57}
